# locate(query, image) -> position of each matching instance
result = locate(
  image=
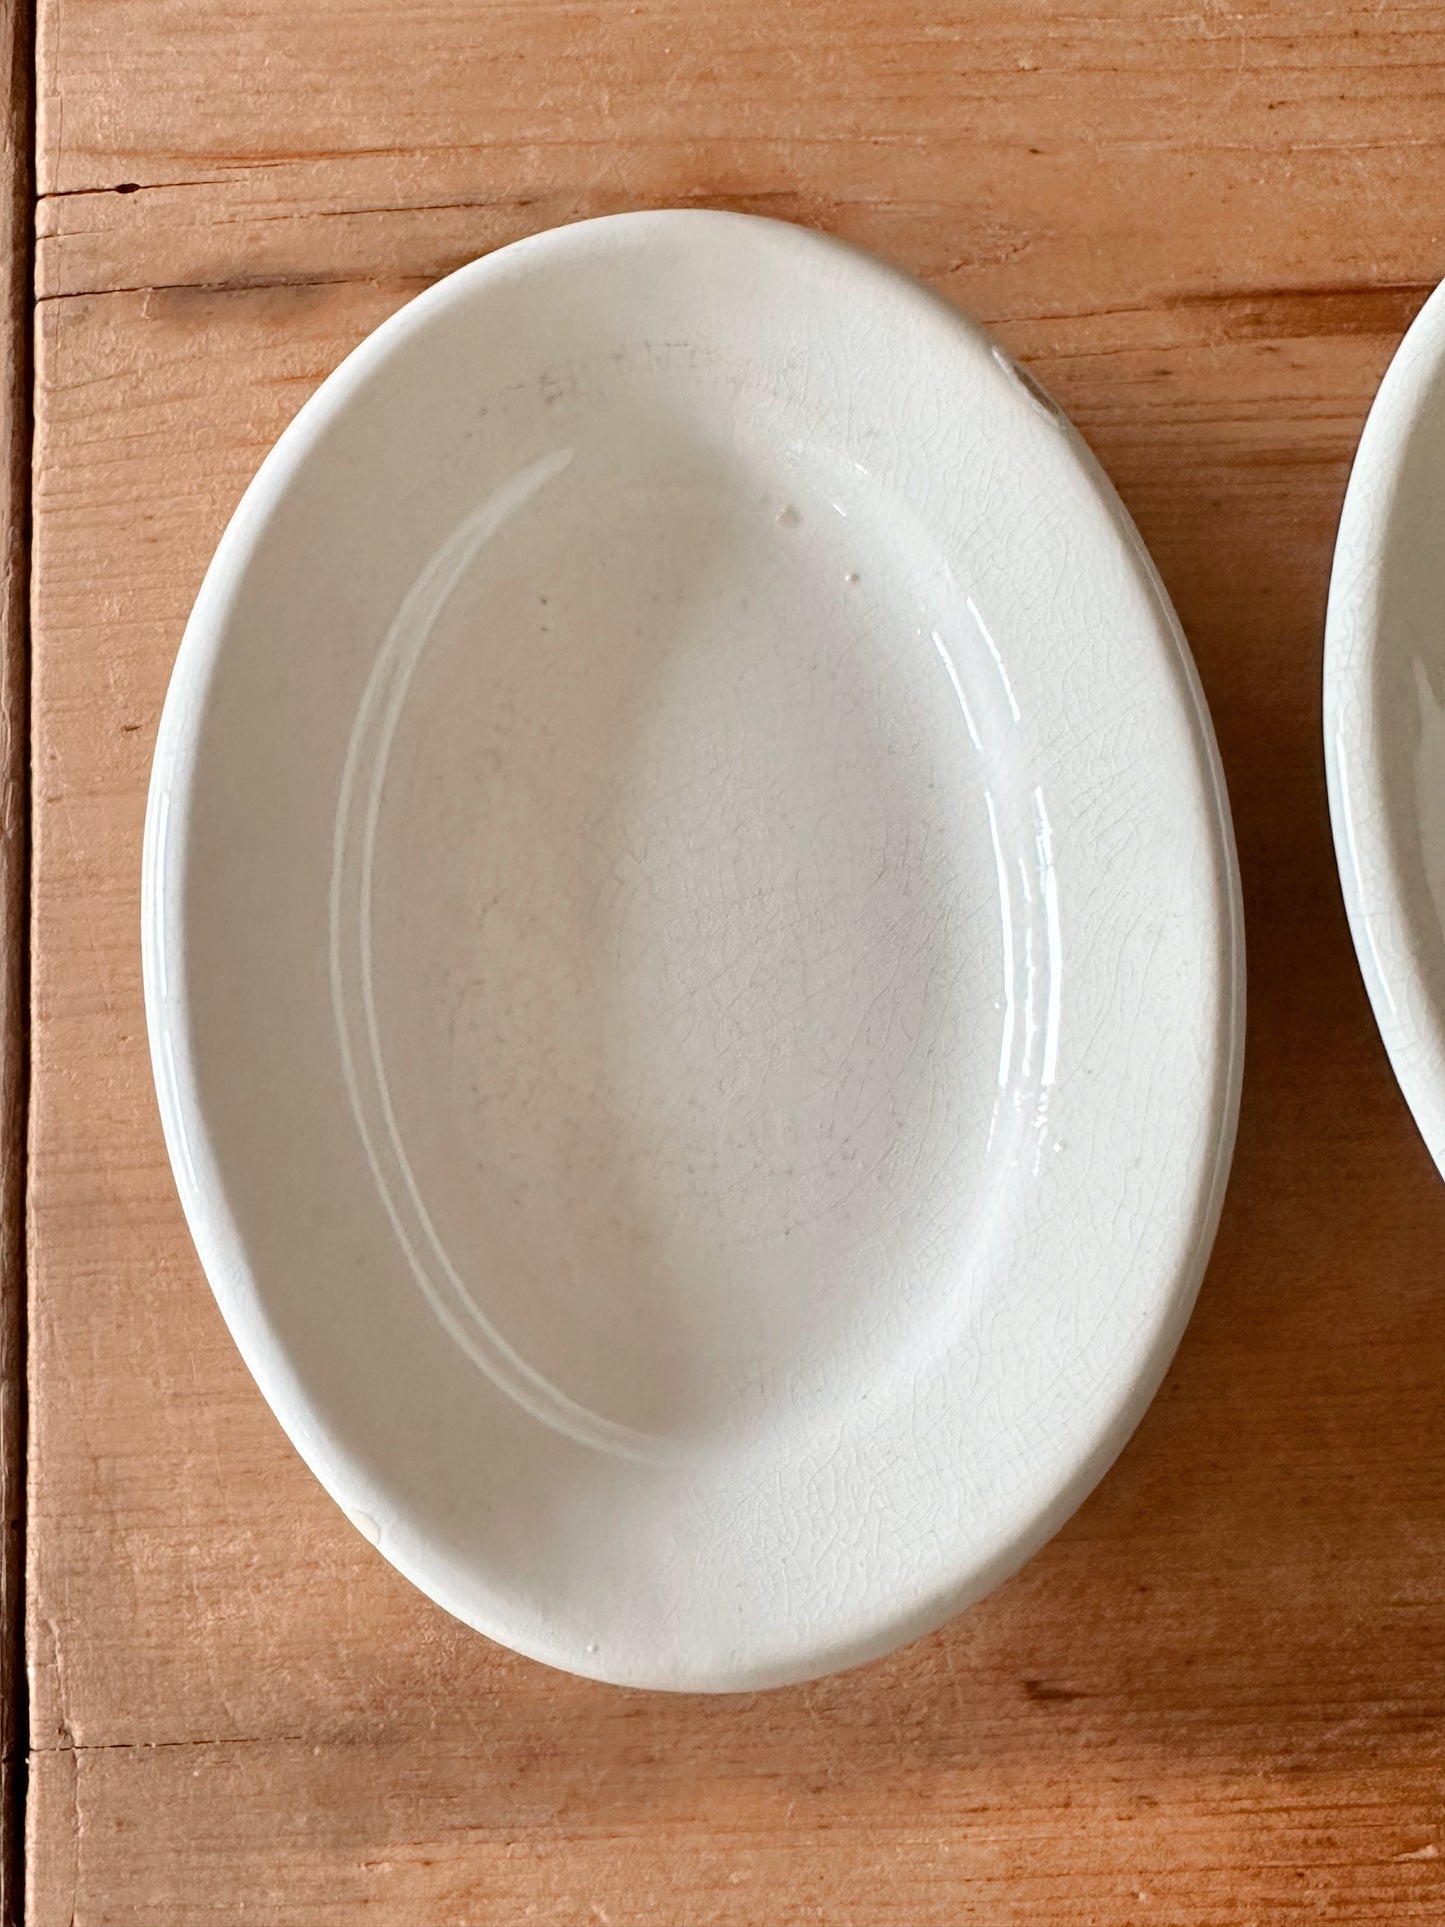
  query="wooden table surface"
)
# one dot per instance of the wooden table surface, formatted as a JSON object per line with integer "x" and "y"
{"x": 1218, "y": 1696}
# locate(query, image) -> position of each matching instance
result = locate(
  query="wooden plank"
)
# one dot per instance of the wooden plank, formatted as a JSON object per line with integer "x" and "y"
{"x": 970, "y": 1848}
{"x": 16, "y": 217}
{"x": 1069, "y": 160}
{"x": 1218, "y": 1695}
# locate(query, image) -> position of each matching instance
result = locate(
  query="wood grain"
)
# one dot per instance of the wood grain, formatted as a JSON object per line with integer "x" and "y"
{"x": 1217, "y": 1696}
{"x": 16, "y": 209}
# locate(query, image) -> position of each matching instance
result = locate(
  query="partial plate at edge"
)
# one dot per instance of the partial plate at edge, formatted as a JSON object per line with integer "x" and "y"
{"x": 1384, "y": 714}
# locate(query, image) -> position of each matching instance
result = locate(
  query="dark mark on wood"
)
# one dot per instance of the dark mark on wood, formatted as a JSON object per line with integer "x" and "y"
{"x": 1042, "y": 1689}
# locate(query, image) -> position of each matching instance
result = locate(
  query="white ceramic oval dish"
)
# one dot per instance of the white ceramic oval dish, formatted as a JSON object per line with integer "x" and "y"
{"x": 693, "y": 952}
{"x": 1384, "y": 714}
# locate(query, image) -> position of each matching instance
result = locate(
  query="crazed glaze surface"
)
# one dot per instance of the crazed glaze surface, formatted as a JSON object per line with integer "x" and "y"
{"x": 693, "y": 952}
{"x": 1384, "y": 714}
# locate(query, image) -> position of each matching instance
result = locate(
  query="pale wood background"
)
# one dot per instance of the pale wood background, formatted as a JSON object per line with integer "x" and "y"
{"x": 1218, "y": 1696}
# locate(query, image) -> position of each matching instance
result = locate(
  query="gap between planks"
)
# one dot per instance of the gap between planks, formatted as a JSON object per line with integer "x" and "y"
{"x": 17, "y": 230}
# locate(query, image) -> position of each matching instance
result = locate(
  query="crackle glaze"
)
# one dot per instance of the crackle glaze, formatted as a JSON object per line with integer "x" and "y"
{"x": 1384, "y": 714}
{"x": 693, "y": 951}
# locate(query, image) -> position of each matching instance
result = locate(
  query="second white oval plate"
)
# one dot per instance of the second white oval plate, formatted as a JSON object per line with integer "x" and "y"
{"x": 1384, "y": 714}
{"x": 693, "y": 951}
